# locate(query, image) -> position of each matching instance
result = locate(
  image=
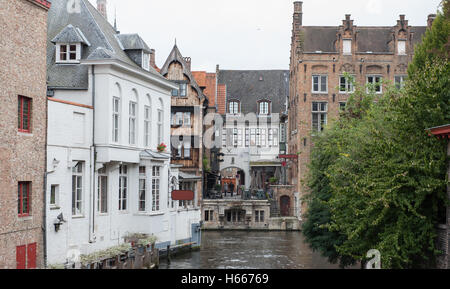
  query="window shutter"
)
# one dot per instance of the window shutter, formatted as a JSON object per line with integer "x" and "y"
{"x": 21, "y": 252}
{"x": 31, "y": 256}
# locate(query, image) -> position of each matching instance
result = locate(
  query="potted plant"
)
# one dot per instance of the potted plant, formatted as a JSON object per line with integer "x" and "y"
{"x": 161, "y": 148}
{"x": 273, "y": 180}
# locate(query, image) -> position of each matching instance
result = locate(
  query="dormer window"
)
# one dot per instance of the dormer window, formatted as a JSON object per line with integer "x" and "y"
{"x": 68, "y": 53}
{"x": 264, "y": 108}
{"x": 146, "y": 61}
{"x": 234, "y": 107}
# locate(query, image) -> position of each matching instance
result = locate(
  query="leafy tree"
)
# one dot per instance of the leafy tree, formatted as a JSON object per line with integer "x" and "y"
{"x": 376, "y": 176}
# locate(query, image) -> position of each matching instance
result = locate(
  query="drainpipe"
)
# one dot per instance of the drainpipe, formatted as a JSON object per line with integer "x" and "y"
{"x": 44, "y": 215}
{"x": 93, "y": 162}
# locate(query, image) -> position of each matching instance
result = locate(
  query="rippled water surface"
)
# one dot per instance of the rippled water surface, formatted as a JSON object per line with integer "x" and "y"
{"x": 250, "y": 250}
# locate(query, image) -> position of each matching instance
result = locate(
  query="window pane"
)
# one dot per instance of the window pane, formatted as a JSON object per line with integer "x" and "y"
{"x": 323, "y": 84}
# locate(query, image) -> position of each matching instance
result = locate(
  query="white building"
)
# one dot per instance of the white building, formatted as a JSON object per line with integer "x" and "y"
{"x": 108, "y": 111}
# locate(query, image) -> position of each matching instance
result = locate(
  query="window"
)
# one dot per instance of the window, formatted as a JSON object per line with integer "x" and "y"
{"x": 68, "y": 53}
{"x": 187, "y": 119}
{"x": 264, "y": 108}
{"x": 259, "y": 216}
{"x": 283, "y": 133}
{"x": 174, "y": 92}
{"x": 102, "y": 194}
{"x": 145, "y": 61}
{"x": 342, "y": 106}
{"x": 400, "y": 81}
{"x": 54, "y": 196}
{"x": 147, "y": 125}
{"x": 233, "y": 107}
{"x": 374, "y": 83}
{"x": 346, "y": 84}
{"x": 116, "y": 116}
{"x": 156, "y": 174}
{"x": 24, "y": 114}
{"x": 209, "y": 215}
{"x": 347, "y": 46}
{"x": 320, "y": 84}
{"x": 26, "y": 256}
{"x": 132, "y": 122}
{"x": 253, "y": 137}
{"x": 23, "y": 200}
{"x": 123, "y": 187}
{"x": 224, "y": 137}
{"x": 187, "y": 149}
{"x": 160, "y": 126}
{"x": 247, "y": 137}
{"x": 319, "y": 116}
{"x": 77, "y": 189}
{"x": 142, "y": 189}
{"x": 263, "y": 137}
{"x": 181, "y": 119}
{"x": 401, "y": 47}
{"x": 183, "y": 89}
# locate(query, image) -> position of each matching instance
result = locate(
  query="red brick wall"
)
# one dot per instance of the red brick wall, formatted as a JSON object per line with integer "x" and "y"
{"x": 23, "y": 30}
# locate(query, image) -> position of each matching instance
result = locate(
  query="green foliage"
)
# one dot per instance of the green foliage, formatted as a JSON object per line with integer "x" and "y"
{"x": 376, "y": 176}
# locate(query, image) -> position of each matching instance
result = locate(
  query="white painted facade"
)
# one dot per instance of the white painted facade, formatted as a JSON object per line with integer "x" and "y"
{"x": 76, "y": 118}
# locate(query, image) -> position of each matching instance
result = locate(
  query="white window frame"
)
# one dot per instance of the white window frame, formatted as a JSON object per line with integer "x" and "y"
{"x": 160, "y": 126}
{"x": 77, "y": 53}
{"x": 401, "y": 84}
{"x": 322, "y": 114}
{"x": 401, "y": 47}
{"x": 320, "y": 78}
{"x": 145, "y": 61}
{"x": 123, "y": 188}
{"x": 142, "y": 191}
{"x": 156, "y": 182}
{"x": 102, "y": 195}
{"x": 54, "y": 190}
{"x": 132, "y": 133}
{"x": 77, "y": 189}
{"x": 147, "y": 125}
{"x": 375, "y": 76}
{"x": 183, "y": 89}
{"x": 234, "y": 107}
{"x": 264, "y": 108}
{"x": 347, "y": 47}
{"x": 349, "y": 86}
{"x": 116, "y": 120}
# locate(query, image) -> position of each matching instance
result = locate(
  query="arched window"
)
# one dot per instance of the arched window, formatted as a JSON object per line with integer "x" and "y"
{"x": 234, "y": 107}
{"x": 264, "y": 107}
{"x": 117, "y": 96}
{"x": 147, "y": 121}
{"x": 133, "y": 115}
{"x": 160, "y": 121}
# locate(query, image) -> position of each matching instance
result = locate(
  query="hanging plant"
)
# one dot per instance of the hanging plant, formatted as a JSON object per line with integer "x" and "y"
{"x": 162, "y": 147}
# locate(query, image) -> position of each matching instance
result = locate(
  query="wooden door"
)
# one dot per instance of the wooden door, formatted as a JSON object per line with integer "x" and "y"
{"x": 285, "y": 206}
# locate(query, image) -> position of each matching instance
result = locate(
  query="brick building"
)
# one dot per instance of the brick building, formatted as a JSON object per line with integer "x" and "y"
{"x": 320, "y": 56}
{"x": 23, "y": 123}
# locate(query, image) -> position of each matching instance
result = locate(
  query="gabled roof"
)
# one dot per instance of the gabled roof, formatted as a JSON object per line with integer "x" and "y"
{"x": 175, "y": 56}
{"x": 133, "y": 42}
{"x": 251, "y": 86}
{"x": 69, "y": 35}
{"x": 94, "y": 28}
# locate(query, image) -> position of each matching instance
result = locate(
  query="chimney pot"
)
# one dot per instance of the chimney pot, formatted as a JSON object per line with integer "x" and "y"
{"x": 101, "y": 7}
{"x": 298, "y": 13}
{"x": 298, "y": 7}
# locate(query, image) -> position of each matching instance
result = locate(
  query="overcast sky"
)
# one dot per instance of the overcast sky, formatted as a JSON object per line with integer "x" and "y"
{"x": 247, "y": 34}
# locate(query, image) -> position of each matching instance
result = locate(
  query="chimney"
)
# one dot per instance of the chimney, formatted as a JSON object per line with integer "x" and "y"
{"x": 153, "y": 58}
{"x": 298, "y": 13}
{"x": 188, "y": 62}
{"x": 431, "y": 19}
{"x": 101, "y": 7}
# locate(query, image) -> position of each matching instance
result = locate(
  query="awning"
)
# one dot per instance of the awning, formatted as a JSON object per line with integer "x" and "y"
{"x": 187, "y": 176}
{"x": 183, "y": 195}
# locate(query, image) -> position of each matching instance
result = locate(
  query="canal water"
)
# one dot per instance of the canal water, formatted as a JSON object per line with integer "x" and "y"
{"x": 250, "y": 250}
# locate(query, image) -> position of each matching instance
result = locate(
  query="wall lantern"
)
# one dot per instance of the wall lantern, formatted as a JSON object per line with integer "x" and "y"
{"x": 58, "y": 222}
